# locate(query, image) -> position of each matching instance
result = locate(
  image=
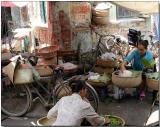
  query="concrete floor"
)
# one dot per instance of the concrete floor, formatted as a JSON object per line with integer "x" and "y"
{"x": 133, "y": 111}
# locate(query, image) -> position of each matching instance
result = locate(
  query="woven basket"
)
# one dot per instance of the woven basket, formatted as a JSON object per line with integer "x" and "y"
{"x": 63, "y": 91}
{"x": 102, "y": 70}
{"x": 106, "y": 63}
{"x": 113, "y": 116}
{"x": 48, "y": 52}
{"x": 126, "y": 82}
{"x": 152, "y": 84}
{"x": 44, "y": 70}
{"x": 100, "y": 20}
{"x": 100, "y": 13}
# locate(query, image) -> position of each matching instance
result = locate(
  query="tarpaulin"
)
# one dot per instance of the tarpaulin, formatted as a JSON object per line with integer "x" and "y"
{"x": 7, "y": 4}
{"x": 142, "y": 7}
{"x": 13, "y": 4}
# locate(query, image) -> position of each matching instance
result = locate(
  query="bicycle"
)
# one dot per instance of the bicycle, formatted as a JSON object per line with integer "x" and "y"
{"x": 55, "y": 88}
{"x": 105, "y": 43}
{"x": 153, "y": 44}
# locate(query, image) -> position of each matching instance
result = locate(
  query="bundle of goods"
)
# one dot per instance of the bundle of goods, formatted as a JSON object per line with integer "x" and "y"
{"x": 43, "y": 61}
{"x": 69, "y": 67}
{"x": 152, "y": 80}
{"x": 19, "y": 72}
{"x": 105, "y": 64}
{"x": 147, "y": 64}
{"x": 127, "y": 79}
{"x": 96, "y": 79}
{"x": 108, "y": 56}
{"x": 100, "y": 17}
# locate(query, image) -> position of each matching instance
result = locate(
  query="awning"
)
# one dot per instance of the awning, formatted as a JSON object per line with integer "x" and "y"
{"x": 7, "y": 4}
{"x": 142, "y": 7}
{"x": 13, "y": 4}
{"x": 20, "y": 3}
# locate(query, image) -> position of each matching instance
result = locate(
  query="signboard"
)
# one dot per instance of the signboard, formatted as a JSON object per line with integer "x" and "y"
{"x": 80, "y": 13}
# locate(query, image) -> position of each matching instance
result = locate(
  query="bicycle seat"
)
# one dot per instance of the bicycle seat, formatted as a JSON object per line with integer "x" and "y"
{"x": 33, "y": 60}
{"x": 151, "y": 36}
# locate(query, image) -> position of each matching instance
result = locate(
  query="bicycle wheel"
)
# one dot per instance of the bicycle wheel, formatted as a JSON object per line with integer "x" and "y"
{"x": 92, "y": 96}
{"x": 65, "y": 89}
{"x": 16, "y": 100}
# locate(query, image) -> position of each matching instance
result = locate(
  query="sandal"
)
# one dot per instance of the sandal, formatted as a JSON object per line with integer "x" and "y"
{"x": 142, "y": 95}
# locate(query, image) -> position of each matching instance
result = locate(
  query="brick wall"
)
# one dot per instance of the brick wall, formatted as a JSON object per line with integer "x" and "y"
{"x": 65, "y": 18}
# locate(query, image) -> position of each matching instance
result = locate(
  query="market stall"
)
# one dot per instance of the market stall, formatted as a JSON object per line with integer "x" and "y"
{"x": 56, "y": 66}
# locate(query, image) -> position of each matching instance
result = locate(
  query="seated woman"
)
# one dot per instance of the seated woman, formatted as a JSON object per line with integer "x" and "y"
{"x": 71, "y": 110}
{"x": 142, "y": 60}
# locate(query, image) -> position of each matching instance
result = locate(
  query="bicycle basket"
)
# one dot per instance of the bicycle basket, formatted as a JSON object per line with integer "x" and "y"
{"x": 18, "y": 72}
{"x": 23, "y": 74}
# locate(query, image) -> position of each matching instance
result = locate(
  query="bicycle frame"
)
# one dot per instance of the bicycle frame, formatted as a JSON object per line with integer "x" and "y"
{"x": 40, "y": 96}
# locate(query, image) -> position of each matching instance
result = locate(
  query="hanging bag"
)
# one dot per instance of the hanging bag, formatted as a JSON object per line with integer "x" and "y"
{"x": 19, "y": 71}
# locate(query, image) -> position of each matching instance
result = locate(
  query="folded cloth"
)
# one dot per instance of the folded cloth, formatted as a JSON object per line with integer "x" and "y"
{"x": 68, "y": 66}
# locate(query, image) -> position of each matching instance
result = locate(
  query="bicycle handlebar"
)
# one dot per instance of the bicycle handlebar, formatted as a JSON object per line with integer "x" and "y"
{"x": 101, "y": 34}
{"x": 105, "y": 35}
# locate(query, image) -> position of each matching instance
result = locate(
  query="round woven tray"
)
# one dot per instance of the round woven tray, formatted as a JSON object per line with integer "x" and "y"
{"x": 152, "y": 84}
{"x": 47, "y": 52}
{"x": 45, "y": 122}
{"x": 126, "y": 82}
{"x": 98, "y": 84}
{"x": 48, "y": 122}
